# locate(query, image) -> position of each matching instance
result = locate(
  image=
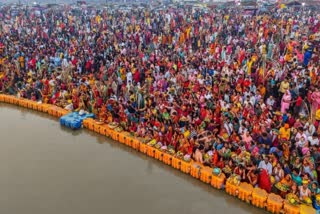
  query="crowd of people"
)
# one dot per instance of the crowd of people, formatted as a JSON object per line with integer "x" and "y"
{"x": 233, "y": 91}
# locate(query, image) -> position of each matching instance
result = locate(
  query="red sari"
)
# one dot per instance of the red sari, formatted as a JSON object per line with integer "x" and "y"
{"x": 264, "y": 181}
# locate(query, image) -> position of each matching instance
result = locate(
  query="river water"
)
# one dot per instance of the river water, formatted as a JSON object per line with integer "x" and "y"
{"x": 48, "y": 169}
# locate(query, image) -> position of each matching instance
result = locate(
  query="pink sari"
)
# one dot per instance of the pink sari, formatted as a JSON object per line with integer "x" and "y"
{"x": 285, "y": 102}
{"x": 315, "y": 97}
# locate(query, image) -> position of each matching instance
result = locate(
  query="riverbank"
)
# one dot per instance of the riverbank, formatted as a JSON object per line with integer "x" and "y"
{"x": 195, "y": 170}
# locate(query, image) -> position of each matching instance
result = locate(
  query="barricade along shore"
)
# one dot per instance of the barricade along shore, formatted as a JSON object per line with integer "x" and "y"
{"x": 255, "y": 196}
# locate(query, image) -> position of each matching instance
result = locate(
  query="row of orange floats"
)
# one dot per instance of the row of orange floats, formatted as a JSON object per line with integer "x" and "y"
{"x": 260, "y": 198}
{"x": 46, "y": 108}
{"x": 244, "y": 191}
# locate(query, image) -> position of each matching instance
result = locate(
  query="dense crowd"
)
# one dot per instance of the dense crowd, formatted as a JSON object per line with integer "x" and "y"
{"x": 233, "y": 91}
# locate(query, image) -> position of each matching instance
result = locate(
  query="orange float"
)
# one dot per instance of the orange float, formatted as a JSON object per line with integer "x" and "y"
{"x": 6, "y": 98}
{"x": 85, "y": 122}
{"x": 167, "y": 158}
{"x": 114, "y": 135}
{"x": 217, "y": 181}
{"x": 143, "y": 148}
{"x": 175, "y": 162}
{"x": 39, "y": 107}
{"x": 30, "y": 104}
{"x": 61, "y": 112}
{"x": 290, "y": 208}
{"x": 35, "y": 106}
{"x": 185, "y": 167}
{"x": 135, "y": 144}
{"x": 23, "y": 103}
{"x": 122, "y": 138}
{"x": 129, "y": 141}
{"x": 150, "y": 151}
{"x": 158, "y": 154}
{"x": 103, "y": 129}
{"x": 89, "y": 123}
{"x": 96, "y": 127}
{"x": 274, "y": 203}
{"x": 10, "y": 99}
{"x": 44, "y": 107}
{"x": 195, "y": 170}
{"x": 259, "y": 197}
{"x": 231, "y": 188}
{"x": 245, "y": 192}
{"x": 206, "y": 175}
{"x": 53, "y": 110}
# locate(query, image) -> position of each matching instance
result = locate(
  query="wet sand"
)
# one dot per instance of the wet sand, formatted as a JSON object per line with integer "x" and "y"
{"x": 48, "y": 169}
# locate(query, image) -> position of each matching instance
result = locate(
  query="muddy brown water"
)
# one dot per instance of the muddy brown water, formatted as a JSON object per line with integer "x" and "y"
{"x": 48, "y": 169}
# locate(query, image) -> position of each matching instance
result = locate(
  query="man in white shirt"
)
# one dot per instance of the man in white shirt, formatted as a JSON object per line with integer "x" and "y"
{"x": 252, "y": 99}
{"x": 314, "y": 140}
{"x": 208, "y": 95}
{"x": 265, "y": 164}
{"x": 310, "y": 129}
{"x": 270, "y": 102}
{"x": 129, "y": 77}
{"x": 300, "y": 134}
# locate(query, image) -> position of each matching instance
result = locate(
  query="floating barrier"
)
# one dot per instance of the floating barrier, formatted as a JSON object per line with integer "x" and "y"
{"x": 206, "y": 175}
{"x": 55, "y": 111}
{"x": 72, "y": 120}
{"x": 232, "y": 188}
{"x": 166, "y": 158}
{"x": 12, "y": 100}
{"x": 136, "y": 144}
{"x": 44, "y": 107}
{"x": 100, "y": 128}
{"x": 185, "y": 167}
{"x": 217, "y": 181}
{"x": 176, "y": 162}
{"x": 143, "y": 148}
{"x": 244, "y": 191}
{"x": 114, "y": 135}
{"x": 23, "y": 103}
{"x": 122, "y": 138}
{"x": 158, "y": 154}
{"x": 151, "y": 151}
{"x": 259, "y": 197}
{"x": 291, "y": 208}
{"x": 129, "y": 141}
{"x": 274, "y": 203}
{"x": 89, "y": 123}
{"x": 195, "y": 170}
{"x": 103, "y": 129}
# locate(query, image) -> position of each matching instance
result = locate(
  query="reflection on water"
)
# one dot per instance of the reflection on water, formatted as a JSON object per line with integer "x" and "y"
{"x": 48, "y": 169}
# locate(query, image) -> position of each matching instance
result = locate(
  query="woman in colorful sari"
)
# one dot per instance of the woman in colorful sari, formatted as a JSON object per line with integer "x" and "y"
{"x": 315, "y": 98}
{"x": 264, "y": 181}
{"x": 285, "y": 102}
{"x": 278, "y": 172}
{"x": 284, "y": 185}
